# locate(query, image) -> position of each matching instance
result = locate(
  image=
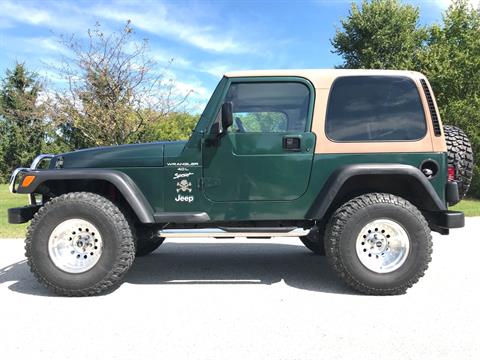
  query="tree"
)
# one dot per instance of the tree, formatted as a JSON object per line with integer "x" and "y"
{"x": 22, "y": 128}
{"x": 173, "y": 126}
{"x": 452, "y": 64}
{"x": 263, "y": 121}
{"x": 115, "y": 92}
{"x": 386, "y": 34}
{"x": 380, "y": 34}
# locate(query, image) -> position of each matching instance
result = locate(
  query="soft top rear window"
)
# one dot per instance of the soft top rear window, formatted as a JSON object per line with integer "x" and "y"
{"x": 375, "y": 108}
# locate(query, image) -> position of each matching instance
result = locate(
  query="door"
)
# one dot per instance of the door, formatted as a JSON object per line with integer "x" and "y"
{"x": 267, "y": 154}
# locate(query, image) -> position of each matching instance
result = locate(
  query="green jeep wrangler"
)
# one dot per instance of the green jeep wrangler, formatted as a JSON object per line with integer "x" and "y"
{"x": 355, "y": 163}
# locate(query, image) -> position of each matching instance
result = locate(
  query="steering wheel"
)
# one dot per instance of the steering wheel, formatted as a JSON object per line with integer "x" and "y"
{"x": 239, "y": 124}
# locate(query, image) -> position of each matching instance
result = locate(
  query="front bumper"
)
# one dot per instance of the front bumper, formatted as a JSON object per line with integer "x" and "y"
{"x": 17, "y": 175}
{"x": 25, "y": 213}
{"x": 22, "y": 214}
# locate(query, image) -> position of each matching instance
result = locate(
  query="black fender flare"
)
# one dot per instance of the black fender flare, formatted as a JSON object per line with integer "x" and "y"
{"x": 127, "y": 187}
{"x": 339, "y": 177}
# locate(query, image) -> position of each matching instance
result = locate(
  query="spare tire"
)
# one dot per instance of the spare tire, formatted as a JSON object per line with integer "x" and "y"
{"x": 460, "y": 156}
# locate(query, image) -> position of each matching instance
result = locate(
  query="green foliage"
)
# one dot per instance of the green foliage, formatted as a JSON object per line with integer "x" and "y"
{"x": 174, "y": 126}
{"x": 22, "y": 128}
{"x": 105, "y": 82}
{"x": 115, "y": 94}
{"x": 25, "y": 128}
{"x": 385, "y": 34}
{"x": 7, "y": 201}
{"x": 452, "y": 59}
{"x": 471, "y": 207}
{"x": 452, "y": 65}
{"x": 262, "y": 121}
{"x": 380, "y": 34}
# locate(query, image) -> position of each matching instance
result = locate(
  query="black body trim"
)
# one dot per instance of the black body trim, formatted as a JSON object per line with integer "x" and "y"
{"x": 451, "y": 192}
{"x": 22, "y": 214}
{"x": 120, "y": 180}
{"x": 340, "y": 176}
{"x": 431, "y": 106}
{"x": 445, "y": 219}
{"x": 182, "y": 217}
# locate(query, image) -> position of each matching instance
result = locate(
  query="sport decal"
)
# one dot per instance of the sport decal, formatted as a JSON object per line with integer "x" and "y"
{"x": 182, "y": 175}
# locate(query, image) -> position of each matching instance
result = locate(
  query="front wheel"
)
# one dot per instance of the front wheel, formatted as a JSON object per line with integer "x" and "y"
{"x": 380, "y": 244}
{"x": 79, "y": 244}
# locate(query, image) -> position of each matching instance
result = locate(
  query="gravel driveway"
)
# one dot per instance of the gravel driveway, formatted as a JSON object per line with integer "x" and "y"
{"x": 264, "y": 299}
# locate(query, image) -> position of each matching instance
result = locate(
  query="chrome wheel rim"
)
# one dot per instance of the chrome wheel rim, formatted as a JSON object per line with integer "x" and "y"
{"x": 75, "y": 246}
{"x": 383, "y": 245}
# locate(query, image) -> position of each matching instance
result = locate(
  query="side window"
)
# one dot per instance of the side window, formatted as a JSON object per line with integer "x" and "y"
{"x": 375, "y": 108}
{"x": 269, "y": 107}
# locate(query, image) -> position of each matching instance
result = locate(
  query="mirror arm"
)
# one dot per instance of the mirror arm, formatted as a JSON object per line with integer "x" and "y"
{"x": 215, "y": 135}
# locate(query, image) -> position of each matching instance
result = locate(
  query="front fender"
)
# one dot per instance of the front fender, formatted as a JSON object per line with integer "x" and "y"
{"x": 120, "y": 180}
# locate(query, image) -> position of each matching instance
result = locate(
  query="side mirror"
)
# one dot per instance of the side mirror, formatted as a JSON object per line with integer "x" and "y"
{"x": 227, "y": 115}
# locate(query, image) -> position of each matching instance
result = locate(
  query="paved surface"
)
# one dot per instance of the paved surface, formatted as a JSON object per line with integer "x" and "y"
{"x": 246, "y": 300}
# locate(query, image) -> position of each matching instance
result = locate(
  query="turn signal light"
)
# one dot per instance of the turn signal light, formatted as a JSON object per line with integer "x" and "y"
{"x": 27, "y": 180}
{"x": 451, "y": 173}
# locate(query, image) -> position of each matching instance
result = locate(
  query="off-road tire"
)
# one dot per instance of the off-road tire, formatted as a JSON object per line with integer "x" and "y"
{"x": 146, "y": 241}
{"x": 344, "y": 227}
{"x": 117, "y": 255}
{"x": 314, "y": 241}
{"x": 460, "y": 156}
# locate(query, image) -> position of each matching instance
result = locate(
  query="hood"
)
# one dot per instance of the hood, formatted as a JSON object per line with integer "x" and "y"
{"x": 121, "y": 156}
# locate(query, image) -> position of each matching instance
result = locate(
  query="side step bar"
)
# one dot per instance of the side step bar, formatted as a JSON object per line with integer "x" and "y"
{"x": 234, "y": 232}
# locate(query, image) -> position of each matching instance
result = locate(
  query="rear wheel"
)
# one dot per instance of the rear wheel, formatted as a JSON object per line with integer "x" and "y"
{"x": 460, "y": 157}
{"x": 380, "y": 244}
{"x": 79, "y": 244}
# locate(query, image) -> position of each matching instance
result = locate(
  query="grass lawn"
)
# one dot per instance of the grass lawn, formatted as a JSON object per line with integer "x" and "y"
{"x": 470, "y": 207}
{"x": 8, "y": 200}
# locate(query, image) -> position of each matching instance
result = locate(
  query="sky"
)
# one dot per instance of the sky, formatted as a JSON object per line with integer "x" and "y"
{"x": 204, "y": 38}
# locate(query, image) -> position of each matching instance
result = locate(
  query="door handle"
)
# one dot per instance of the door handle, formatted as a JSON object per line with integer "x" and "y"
{"x": 292, "y": 143}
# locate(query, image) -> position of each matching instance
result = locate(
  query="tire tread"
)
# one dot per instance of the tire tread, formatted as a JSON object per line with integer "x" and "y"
{"x": 123, "y": 261}
{"x": 460, "y": 156}
{"x": 338, "y": 222}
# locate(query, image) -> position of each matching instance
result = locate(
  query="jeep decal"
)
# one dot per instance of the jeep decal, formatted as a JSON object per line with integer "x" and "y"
{"x": 183, "y": 198}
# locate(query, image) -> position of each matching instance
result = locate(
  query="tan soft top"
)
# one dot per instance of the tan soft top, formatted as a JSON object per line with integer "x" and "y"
{"x": 323, "y": 78}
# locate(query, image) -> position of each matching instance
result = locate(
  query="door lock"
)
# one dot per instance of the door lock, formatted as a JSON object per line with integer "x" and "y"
{"x": 291, "y": 143}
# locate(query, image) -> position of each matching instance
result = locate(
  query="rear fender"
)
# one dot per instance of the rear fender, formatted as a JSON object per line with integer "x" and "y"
{"x": 351, "y": 180}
